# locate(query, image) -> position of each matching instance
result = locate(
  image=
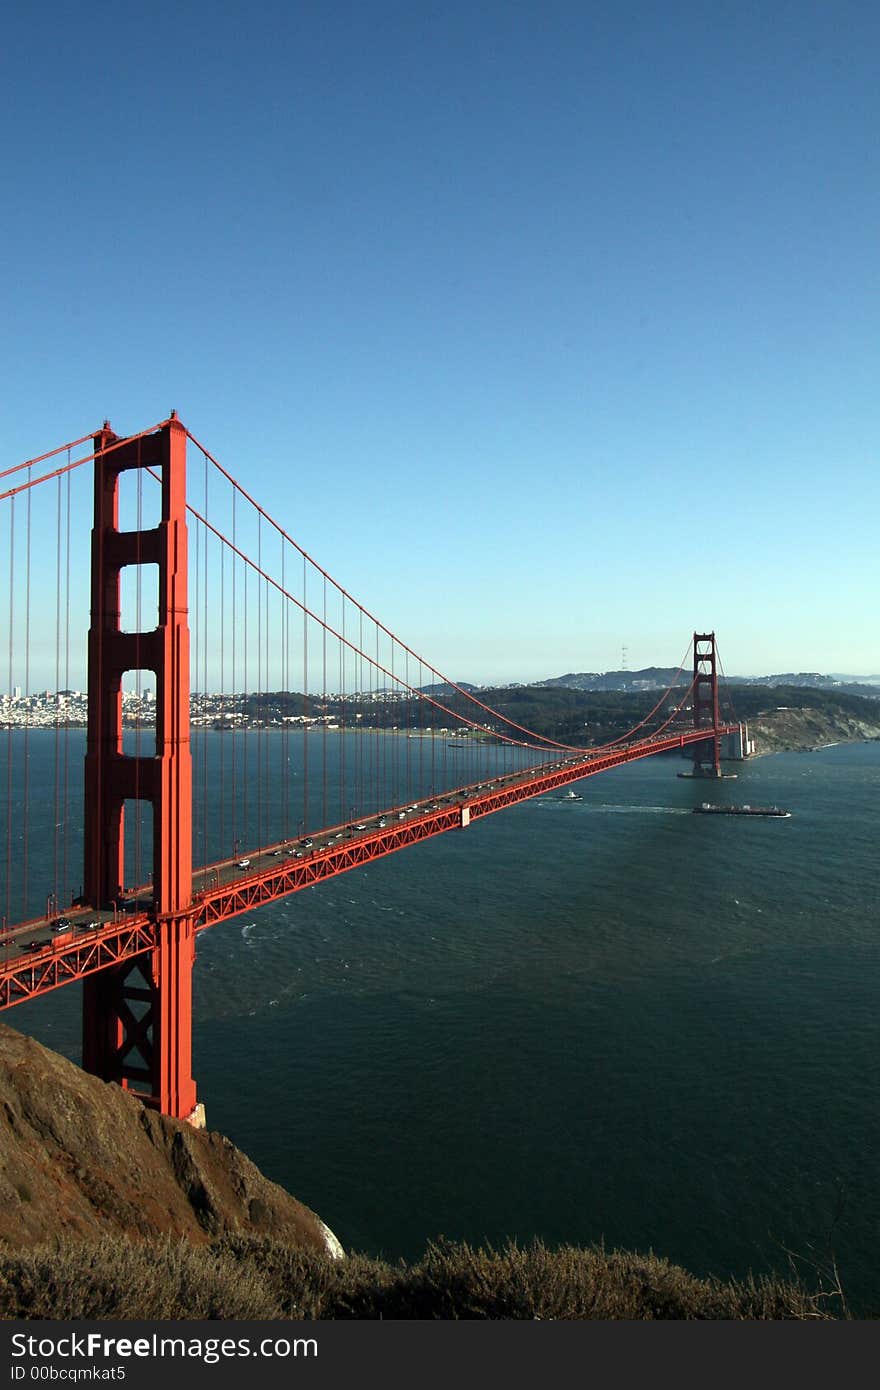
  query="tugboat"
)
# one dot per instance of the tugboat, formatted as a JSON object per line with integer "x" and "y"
{"x": 707, "y": 808}
{"x": 571, "y": 796}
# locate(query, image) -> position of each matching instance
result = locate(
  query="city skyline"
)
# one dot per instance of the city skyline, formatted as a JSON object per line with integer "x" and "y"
{"x": 547, "y": 331}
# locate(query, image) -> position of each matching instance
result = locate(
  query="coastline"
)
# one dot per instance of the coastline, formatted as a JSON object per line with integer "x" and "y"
{"x": 807, "y": 731}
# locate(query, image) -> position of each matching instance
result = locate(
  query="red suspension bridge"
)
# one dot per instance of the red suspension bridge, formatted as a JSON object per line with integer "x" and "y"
{"x": 241, "y": 708}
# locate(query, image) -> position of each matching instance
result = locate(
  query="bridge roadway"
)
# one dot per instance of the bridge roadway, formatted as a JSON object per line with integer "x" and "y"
{"x": 33, "y": 963}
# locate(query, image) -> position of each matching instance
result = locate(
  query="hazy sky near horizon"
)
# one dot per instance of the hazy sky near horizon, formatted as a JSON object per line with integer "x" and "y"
{"x": 548, "y": 328}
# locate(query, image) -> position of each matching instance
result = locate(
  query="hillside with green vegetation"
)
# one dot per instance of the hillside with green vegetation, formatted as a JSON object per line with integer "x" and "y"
{"x": 590, "y": 717}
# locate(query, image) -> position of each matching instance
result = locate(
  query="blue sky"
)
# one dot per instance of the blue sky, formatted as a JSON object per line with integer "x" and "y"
{"x": 547, "y": 328}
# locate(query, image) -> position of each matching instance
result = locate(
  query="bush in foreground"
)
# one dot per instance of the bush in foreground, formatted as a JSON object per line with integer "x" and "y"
{"x": 248, "y": 1277}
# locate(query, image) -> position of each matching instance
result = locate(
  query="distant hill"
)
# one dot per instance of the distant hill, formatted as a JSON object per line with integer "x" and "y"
{"x": 443, "y": 688}
{"x": 661, "y": 678}
{"x": 650, "y": 678}
{"x": 586, "y": 718}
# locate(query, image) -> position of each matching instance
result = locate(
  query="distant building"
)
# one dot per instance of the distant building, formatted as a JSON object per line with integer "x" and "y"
{"x": 738, "y": 745}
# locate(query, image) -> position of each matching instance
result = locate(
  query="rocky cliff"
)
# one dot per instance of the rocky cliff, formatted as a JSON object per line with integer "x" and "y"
{"x": 792, "y": 728}
{"x": 80, "y": 1158}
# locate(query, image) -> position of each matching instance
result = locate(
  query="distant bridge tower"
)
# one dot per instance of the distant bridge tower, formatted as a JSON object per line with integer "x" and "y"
{"x": 137, "y": 1016}
{"x": 707, "y": 754}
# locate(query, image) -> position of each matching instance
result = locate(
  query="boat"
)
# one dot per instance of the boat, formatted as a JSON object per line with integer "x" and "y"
{"x": 708, "y": 808}
{"x": 571, "y": 796}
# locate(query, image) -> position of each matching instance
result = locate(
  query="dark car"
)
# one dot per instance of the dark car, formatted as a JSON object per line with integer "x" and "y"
{"x": 62, "y": 925}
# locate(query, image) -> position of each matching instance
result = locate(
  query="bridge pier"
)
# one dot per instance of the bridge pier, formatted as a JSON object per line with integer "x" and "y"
{"x": 137, "y": 1016}
{"x": 137, "y": 1023}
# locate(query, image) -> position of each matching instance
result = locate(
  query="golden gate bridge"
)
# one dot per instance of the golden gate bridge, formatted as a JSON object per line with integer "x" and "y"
{"x": 338, "y": 743}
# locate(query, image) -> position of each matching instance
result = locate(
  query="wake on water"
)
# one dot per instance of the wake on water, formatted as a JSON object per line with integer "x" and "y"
{"x": 607, "y": 808}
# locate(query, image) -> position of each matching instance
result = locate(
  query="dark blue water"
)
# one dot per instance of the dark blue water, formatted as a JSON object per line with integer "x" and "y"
{"x": 603, "y": 1020}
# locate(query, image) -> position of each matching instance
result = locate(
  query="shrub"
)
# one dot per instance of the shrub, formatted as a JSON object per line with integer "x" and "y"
{"x": 260, "y": 1278}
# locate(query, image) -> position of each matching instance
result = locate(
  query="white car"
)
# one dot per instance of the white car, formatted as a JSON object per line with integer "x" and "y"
{"x": 242, "y": 863}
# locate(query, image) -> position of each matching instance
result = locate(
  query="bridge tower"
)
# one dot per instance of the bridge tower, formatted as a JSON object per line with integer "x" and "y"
{"x": 707, "y": 754}
{"x": 137, "y": 1016}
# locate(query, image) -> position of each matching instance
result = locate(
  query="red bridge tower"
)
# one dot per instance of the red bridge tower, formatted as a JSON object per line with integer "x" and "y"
{"x": 707, "y": 755}
{"x": 137, "y": 1016}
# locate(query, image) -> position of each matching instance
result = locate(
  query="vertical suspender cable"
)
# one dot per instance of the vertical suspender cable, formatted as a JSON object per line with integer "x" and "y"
{"x": 209, "y": 684}
{"x": 198, "y": 823}
{"x": 386, "y": 784}
{"x": 284, "y": 611}
{"x": 10, "y": 688}
{"x": 324, "y": 720}
{"x": 57, "y": 801}
{"x": 267, "y": 834}
{"x": 27, "y": 692}
{"x": 421, "y": 703}
{"x": 260, "y": 695}
{"x": 221, "y": 844}
{"x": 234, "y": 801}
{"x": 433, "y": 752}
{"x": 305, "y": 724}
{"x": 406, "y": 724}
{"x": 65, "y": 876}
{"x": 343, "y": 794}
{"x": 360, "y": 709}
{"x": 247, "y": 717}
{"x": 138, "y": 864}
{"x": 379, "y": 741}
{"x": 207, "y": 851}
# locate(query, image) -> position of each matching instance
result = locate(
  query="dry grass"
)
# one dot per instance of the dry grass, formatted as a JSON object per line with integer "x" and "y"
{"x": 248, "y": 1277}
{"x": 118, "y": 1278}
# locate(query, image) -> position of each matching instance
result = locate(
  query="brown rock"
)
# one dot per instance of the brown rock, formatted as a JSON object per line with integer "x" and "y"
{"x": 81, "y": 1157}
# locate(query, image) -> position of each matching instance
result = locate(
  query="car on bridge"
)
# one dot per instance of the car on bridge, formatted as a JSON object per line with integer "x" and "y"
{"x": 63, "y": 925}
{"x": 242, "y": 863}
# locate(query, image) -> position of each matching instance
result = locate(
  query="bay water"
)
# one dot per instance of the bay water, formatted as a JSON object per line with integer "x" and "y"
{"x": 598, "y": 1020}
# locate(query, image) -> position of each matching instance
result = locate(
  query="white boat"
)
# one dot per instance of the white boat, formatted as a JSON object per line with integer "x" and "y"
{"x": 571, "y": 796}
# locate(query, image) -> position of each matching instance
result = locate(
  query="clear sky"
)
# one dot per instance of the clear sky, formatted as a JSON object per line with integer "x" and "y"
{"x": 548, "y": 327}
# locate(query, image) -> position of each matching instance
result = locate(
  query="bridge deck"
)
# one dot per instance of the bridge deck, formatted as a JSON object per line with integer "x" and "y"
{"x": 98, "y": 939}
